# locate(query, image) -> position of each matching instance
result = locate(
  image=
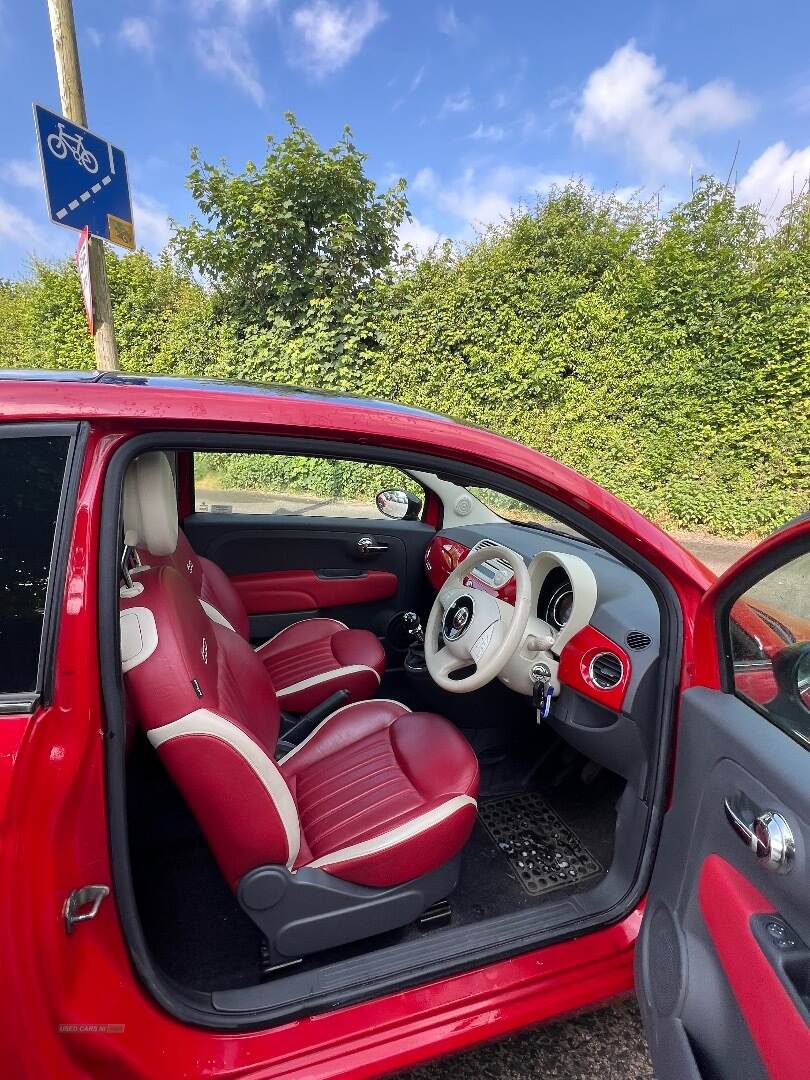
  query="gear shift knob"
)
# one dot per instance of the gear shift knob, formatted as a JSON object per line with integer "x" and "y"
{"x": 413, "y": 625}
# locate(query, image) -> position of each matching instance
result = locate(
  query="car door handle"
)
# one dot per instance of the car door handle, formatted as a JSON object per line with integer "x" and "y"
{"x": 367, "y": 545}
{"x": 769, "y": 837}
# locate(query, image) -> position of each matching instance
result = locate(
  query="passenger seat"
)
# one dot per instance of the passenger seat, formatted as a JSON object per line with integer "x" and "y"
{"x": 308, "y": 661}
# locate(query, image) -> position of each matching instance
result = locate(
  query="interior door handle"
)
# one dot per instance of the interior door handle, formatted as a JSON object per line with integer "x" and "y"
{"x": 367, "y": 545}
{"x": 769, "y": 837}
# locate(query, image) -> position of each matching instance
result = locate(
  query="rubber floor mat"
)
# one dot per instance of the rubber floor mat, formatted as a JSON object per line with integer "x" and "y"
{"x": 543, "y": 852}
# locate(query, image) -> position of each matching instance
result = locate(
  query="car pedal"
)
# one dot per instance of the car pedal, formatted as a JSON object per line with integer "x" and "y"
{"x": 438, "y": 914}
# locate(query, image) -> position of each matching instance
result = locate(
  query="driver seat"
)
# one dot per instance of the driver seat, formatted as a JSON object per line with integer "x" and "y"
{"x": 355, "y": 831}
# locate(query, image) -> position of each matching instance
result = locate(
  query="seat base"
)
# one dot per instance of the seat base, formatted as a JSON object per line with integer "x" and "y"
{"x": 309, "y": 910}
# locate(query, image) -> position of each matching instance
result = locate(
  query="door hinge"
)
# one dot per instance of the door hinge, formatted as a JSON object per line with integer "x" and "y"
{"x": 83, "y": 904}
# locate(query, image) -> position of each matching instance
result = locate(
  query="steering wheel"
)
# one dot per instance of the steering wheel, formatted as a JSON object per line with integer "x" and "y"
{"x": 468, "y": 626}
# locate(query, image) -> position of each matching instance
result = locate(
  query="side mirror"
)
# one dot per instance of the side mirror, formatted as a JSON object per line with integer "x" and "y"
{"x": 398, "y": 505}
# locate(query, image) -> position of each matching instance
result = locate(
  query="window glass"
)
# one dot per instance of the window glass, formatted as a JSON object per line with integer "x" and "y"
{"x": 287, "y": 484}
{"x": 770, "y": 646}
{"x": 32, "y": 471}
{"x": 520, "y": 512}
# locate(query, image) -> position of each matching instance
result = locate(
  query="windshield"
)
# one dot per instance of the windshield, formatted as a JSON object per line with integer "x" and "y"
{"x": 520, "y": 512}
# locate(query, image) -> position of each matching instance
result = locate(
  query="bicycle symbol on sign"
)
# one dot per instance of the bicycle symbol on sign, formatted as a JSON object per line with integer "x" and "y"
{"x": 60, "y": 142}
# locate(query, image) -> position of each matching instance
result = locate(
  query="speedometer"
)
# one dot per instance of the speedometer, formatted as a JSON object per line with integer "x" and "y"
{"x": 559, "y": 607}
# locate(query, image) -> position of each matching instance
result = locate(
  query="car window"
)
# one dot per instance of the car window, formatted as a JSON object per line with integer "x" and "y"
{"x": 32, "y": 473}
{"x": 770, "y": 646}
{"x": 520, "y": 512}
{"x": 287, "y": 484}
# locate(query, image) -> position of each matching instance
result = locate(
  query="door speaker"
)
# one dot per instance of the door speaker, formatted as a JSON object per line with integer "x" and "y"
{"x": 666, "y": 961}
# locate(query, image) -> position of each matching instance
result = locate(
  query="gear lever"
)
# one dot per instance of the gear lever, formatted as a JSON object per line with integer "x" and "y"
{"x": 412, "y": 625}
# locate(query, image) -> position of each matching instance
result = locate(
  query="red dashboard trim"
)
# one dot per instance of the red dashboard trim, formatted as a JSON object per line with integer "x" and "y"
{"x": 303, "y": 590}
{"x": 443, "y": 556}
{"x": 575, "y": 663}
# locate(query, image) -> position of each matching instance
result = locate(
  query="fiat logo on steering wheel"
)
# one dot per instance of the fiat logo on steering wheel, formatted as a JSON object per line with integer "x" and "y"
{"x": 460, "y": 620}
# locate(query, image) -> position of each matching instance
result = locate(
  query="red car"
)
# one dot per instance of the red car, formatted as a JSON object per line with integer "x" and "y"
{"x": 297, "y": 781}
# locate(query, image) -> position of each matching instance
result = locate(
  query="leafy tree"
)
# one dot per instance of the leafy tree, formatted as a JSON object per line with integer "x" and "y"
{"x": 164, "y": 321}
{"x": 666, "y": 357}
{"x": 305, "y": 231}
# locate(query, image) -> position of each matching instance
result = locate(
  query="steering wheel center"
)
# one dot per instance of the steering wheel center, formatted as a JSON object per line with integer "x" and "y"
{"x": 457, "y": 618}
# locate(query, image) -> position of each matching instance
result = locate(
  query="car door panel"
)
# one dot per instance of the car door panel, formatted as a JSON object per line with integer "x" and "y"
{"x": 330, "y": 574}
{"x": 726, "y": 750}
{"x": 721, "y": 993}
{"x": 309, "y": 590}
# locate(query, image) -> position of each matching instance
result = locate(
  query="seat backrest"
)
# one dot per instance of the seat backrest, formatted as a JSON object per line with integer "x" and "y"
{"x": 219, "y": 598}
{"x": 206, "y": 703}
{"x": 211, "y": 584}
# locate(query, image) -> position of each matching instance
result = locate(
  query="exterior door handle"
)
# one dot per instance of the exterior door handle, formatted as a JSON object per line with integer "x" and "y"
{"x": 83, "y": 904}
{"x": 769, "y": 837}
{"x": 367, "y": 545}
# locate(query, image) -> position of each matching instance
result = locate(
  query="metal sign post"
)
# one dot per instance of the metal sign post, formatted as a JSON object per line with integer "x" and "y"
{"x": 71, "y": 94}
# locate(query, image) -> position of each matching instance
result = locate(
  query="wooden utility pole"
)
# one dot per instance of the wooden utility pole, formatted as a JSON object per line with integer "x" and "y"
{"x": 66, "y": 51}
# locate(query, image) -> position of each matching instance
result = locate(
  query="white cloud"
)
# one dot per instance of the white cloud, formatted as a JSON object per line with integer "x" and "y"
{"x": 489, "y": 133}
{"x": 456, "y": 103}
{"x": 774, "y": 177}
{"x": 478, "y": 199}
{"x": 629, "y": 104}
{"x": 225, "y": 52}
{"x": 417, "y": 79}
{"x": 420, "y": 236}
{"x": 240, "y": 11}
{"x": 22, "y": 172}
{"x": 94, "y": 36}
{"x": 332, "y": 34}
{"x": 450, "y": 24}
{"x": 138, "y": 34}
{"x": 19, "y": 230}
{"x": 152, "y": 229}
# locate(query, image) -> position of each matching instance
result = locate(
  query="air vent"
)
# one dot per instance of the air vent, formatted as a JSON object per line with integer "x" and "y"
{"x": 606, "y": 670}
{"x": 484, "y": 544}
{"x": 637, "y": 640}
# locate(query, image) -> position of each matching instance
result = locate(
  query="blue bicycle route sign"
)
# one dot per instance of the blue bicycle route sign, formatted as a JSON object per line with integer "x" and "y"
{"x": 86, "y": 182}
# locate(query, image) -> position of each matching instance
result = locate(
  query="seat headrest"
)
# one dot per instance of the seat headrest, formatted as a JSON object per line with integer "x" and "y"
{"x": 150, "y": 504}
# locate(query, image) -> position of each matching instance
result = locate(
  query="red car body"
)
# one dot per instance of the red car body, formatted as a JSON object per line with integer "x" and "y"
{"x": 58, "y": 992}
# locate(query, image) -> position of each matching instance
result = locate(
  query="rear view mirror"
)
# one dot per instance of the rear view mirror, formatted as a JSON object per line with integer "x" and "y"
{"x": 398, "y": 505}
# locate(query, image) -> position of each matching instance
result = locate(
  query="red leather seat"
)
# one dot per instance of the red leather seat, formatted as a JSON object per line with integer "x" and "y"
{"x": 376, "y": 795}
{"x": 372, "y": 783}
{"x": 307, "y": 661}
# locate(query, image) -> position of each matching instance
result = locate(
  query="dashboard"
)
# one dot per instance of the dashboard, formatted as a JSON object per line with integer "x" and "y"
{"x": 598, "y": 619}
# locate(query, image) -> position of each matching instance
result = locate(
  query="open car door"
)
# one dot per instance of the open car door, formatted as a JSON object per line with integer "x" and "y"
{"x": 723, "y": 958}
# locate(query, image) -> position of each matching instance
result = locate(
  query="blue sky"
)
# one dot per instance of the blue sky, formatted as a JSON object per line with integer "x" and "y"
{"x": 478, "y": 105}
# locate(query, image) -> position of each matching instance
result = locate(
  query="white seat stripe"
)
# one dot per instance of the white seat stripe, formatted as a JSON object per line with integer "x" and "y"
{"x": 331, "y": 716}
{"x": 390, "y": 839}
{"x": 321, "y": 618}
{"x": 205, "y": 722}
{"x": 139, "y": 636}
{"x": 327, "y": 676}
{"x": 214, "y": 615}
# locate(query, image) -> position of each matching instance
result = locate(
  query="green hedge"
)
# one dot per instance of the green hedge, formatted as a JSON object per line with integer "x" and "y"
{"x": 667, "y": 358}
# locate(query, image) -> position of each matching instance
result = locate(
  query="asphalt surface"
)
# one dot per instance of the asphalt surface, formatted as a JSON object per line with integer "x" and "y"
{"x": 604, "y": 1045}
